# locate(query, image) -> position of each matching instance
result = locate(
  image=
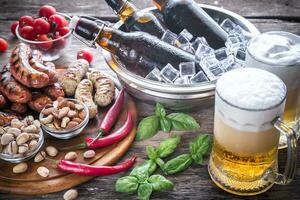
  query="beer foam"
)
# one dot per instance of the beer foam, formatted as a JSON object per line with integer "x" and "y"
{"x": 279, "y": 48}
{"x": 250, "y": 88}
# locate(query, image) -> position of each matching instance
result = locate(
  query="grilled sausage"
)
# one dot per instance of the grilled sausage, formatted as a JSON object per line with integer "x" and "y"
{"x": 54, "y": 91}
{"x": 73, "y": 76}
{"x": 22, "y": 70}
{"x": 48, "y": 68}
{"x": 12, "y": 89}
{"x": 39, "y": 101}
{"x": 2, "y": 101}
{"x": 105, "y": 88}
{"x": 83, "y": 93}
{"x": 6, "y": 118}
{"x": 19, "y": 107}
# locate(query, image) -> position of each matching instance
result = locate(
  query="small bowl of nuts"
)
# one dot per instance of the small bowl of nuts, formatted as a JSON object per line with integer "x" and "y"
{"x": 20, "y": 140}
{"x": 65, "y": 118}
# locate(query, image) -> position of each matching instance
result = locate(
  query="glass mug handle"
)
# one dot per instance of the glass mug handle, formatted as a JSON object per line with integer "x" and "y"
{"x": 291, "y": 163}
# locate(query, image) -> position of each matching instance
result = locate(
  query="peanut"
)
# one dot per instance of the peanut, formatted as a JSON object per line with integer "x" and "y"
{"x": 47, "y": 120}
{"x": 72, "y": 113}
{"x": 47, "y": 111}
{"x": 64, "y": 122}
{"x": 79, "y": 107}
{"x": 81, "y": 114}
{"x": 72, "y": 124}
{"x": 76, "y": 119}
{"x": 63, "y": 112}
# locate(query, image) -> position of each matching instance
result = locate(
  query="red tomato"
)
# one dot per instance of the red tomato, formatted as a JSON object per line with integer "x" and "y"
{"x": 3, "y": 45}
{"x": 59, "y": 44}
{"x": 41, "y": 26}
{"x": 84, "y": 54}
{"x": 13, "y": 27}
{"x": 46, "y": 11}
{"x": 27, "y": 32}
{"x": 57, "y": 21}
{"x": 26, "y": 21}
{"x": 47, "y": 41}
{"x": 63, "y": 31}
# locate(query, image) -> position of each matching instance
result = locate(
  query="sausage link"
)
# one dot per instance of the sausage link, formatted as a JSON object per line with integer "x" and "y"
{"x": 39, "y": 101}
{"x": 2, "y": 101}
{"x": 19, "y": 107}
{"x": 54, "y": 91}
{"x": 6, "y": 118}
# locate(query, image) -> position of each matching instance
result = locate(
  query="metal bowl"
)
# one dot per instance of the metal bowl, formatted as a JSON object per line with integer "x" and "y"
{"x": 175, "y": 97}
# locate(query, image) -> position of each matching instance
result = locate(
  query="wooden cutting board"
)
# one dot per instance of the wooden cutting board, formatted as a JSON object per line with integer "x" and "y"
{"x": 30, "y": 183}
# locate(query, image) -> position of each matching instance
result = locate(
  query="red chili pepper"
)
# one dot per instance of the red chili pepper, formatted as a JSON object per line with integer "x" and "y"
{"x": 112, "y": 114}
{"x": 107, "y": 140}
{"x": 89, "y": 170}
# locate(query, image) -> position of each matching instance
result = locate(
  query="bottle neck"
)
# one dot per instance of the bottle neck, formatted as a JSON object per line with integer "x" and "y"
{"x": 160, "y": 4}
{"x": 123, "y": 8}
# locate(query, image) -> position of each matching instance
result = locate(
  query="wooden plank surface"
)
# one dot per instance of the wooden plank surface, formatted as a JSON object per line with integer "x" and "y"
{"x": 195, "y": 182}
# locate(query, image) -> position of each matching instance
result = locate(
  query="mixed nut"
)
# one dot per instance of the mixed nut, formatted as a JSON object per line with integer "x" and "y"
{"x": 20, "y": 137}
{"x": 63, "y": 114}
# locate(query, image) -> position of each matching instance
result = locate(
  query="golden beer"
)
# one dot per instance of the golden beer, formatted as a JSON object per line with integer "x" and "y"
{"x": 279, "y": 52}
{"x": 243, "y": 160}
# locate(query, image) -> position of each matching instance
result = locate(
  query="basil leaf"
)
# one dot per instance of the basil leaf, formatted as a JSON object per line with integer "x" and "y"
{"x": 160, "y": 110}
{"x": 127, "y": 184}
{"x": 147, "y": 128}
{"x": 144, "y": 191}
{"x": 160, "y": 163}
{"x": 151, "y": 152}
{"x": 167, "y": 146}
{"x": 147, "y": 166}
{"x": 165, "y": 124}
{"x": 200, "y": 147}
{"x": 160, "y": 183}
{"x": 178, "y": 164}
{"x": 183, "y": 122}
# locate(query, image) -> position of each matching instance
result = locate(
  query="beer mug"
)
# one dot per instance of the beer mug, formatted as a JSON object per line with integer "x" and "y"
{"x": 248, "y": 104}
{"x": 279, "y": 53}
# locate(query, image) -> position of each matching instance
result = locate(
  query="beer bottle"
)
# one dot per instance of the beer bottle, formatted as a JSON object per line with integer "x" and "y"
{"x": 186, "y": 14}
{"x": 137, "y": 20}
{"x": 131, "y": 48}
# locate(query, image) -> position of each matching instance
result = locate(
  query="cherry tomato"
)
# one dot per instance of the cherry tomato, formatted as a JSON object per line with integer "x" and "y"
{"x": 3, "y": 45}
{"x": 57, "y": 21}
{"x": 27, "y": 32}
{"x": 63, "y": 31}
{"x": 60, "y": 43}
{"x": 13, "y": 27}
{"x": 46, "y": 11}
{"x": 84, "y": 54}
{"x": 26, "y": 21}
{"x": 41, "y": 26}
{"x": 47, "y": 41}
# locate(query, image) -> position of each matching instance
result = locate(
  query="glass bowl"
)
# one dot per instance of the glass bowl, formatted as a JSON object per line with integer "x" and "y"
{"x": 28, "y": 155}
{"x": 66, "y": 133}
{"x": 51, "y": 50}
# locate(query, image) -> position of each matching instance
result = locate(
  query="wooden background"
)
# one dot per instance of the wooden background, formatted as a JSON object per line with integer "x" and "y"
{"x": 194, "y": 183}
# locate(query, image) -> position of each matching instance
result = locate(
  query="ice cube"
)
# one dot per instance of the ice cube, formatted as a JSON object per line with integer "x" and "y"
{"x": 188, "y": 48}
{"x": 154, "y": 75}
{"x": 240, "y": 56}
{"x": 221, "y": 53}
{"x": 169, "y": 73}
{"x": 182, "y": 80}
{"x": 229, "y": 63}
{"x": 218, "y": 71}
{"x": 199, "y": 78}
{"x": 187, "y": 69}
{"x": 199, "y": 40}
{"x": 169, "y": 37}
{"x": 184, "y": 37}
{"x": 203, "y": 51}
{"x": 228, "y": 25}
{"x": 233, "y": 43}
{"x": 209, "y": 62}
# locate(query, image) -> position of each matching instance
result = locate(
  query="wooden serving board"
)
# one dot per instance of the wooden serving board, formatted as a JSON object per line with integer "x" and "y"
{"x": 30, "y": 183}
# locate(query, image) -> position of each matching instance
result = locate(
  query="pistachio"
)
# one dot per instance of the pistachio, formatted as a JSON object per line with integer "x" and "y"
{"x": 47, "y": 120}
{"x": 2, "y": 131}
{"x": 55, "y": 104}
{"x": 72, "y": 124}
{"x": 51, "y": 151}
{"x": 37, "y": 123}
{"x": 16, "y": 123}
{"x": 78, "y": 107}
{"x": 22, "y": 138}
{"x": 70, "y": 194}
{"x": 43, "y": 171}
{"x": 72, "y": 113}
{"x": 89, "y": 154}
{"x": 47, "y": 111}
{"x": 32, "y": 144}
{"x": 33, "y": 136}
{"x": 71, "y": 156}
{"x": 23, "y": 148}
{"x": 63, "y": 112}
{"x": 14, "y": 147}
{"x": 6, "y": 138}
{"x": 20, "y": 168}
{"x": 14, "y": 131}
{"x": 64, "y": 122}
{"x": 31, "y": 129}
{"x": 40, "y": 156}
